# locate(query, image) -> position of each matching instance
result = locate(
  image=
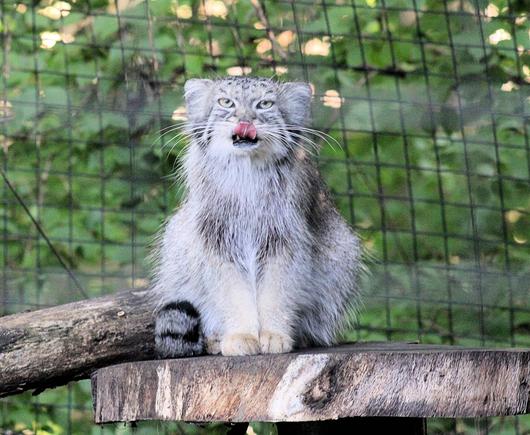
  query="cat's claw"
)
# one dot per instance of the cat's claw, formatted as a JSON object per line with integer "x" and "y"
{"x": 272, "y": 342}
{"x": 239, "y": 344}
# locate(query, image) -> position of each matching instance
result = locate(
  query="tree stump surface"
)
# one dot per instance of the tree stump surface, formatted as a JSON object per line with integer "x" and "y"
{"x": 353, "y": 380}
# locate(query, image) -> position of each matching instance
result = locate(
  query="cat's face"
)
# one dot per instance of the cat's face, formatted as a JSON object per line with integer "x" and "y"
{"x": 247, "y": 116}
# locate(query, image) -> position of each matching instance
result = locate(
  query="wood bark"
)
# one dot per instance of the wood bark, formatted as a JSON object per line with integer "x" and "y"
{"x": 356, "y": 380}
{"x": 50, "y": 347}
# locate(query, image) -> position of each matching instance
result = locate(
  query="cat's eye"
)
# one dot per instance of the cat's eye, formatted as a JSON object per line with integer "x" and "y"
{"x": 225, "y": 102}
{"x": 265, "y": 104}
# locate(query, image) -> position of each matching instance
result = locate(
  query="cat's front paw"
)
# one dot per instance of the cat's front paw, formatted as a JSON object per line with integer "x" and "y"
{"x": 272, "y": 342}
{"x": 239, "y": 344}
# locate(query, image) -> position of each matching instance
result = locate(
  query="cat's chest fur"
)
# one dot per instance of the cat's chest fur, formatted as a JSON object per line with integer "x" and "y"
{"x": 247, "y": 213}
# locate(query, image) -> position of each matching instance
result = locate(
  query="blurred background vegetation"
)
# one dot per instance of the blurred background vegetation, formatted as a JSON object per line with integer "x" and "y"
{"x": 429, "y": 100}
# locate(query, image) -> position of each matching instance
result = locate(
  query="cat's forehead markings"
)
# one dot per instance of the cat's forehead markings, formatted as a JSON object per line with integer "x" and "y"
{"x": 247, "y": 88}
{"x": 249, "y": 81}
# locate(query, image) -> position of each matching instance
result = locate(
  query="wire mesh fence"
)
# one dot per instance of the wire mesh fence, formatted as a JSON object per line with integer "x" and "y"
{"x": 428, "y": 99}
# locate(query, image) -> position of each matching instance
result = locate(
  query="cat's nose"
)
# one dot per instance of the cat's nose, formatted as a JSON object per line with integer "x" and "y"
{"x": 245, "y": 130}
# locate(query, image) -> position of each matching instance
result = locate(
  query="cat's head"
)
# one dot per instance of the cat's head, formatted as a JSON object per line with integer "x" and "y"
{"x": 247, "y": 116}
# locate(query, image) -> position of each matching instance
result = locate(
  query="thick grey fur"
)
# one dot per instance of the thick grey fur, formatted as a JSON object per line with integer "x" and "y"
{"x": 257, "y": 246}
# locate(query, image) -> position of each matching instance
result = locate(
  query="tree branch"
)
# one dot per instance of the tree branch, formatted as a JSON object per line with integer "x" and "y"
{"x": 51, "y": 347}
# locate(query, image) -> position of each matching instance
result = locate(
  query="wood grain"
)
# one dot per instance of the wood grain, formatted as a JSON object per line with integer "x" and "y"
{"x": 53, "y": 346}
{"x": 385, "y": 379}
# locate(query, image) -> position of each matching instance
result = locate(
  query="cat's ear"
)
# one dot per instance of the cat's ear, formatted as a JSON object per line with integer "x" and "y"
{"x": 295, "y": 100}
{"x": 197, "y": 93}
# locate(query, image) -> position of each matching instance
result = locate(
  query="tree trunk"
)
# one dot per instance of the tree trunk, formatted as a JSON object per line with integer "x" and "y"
{"x": 50, "y": 347}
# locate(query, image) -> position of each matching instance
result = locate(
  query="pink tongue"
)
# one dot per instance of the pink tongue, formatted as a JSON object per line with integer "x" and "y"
{"x": 245, "y": 130}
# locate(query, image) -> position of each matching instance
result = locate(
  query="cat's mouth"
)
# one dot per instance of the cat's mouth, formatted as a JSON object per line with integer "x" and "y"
{"x": 246, "y": 142}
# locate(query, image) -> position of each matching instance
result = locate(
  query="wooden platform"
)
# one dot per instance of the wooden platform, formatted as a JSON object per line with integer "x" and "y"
{"x": 365, "y": 379}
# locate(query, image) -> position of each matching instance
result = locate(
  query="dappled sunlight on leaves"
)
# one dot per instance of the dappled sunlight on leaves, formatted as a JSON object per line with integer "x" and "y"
{"x": 49, "y": 39}
{"x": 286, "y": 38}
{"x": 498, "y": 36}
{"x": 179, "y": 114}
{"x": 182, "y": 11}
{"x": 56, "y": 11}
{"x": 317, "y": 47}
{"x": 238, "y": 70}
{"x": 213, "y": 8}
{"x": 21, "y": 8}
{"x": 332, "y": 99}
{"x": 491, "y": 11}
{"x": 263, "y": 46}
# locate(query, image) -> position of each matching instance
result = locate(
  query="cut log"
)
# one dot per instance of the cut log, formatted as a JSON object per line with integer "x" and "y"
{"x": 50, "y": 347}
{"x": 385, "y": 379}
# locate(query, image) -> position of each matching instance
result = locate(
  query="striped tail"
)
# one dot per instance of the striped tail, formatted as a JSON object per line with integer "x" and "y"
{"x": 178, "y": 331}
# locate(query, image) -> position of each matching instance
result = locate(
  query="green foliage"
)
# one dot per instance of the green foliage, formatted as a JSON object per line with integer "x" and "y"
{"x": 427, "y": 102}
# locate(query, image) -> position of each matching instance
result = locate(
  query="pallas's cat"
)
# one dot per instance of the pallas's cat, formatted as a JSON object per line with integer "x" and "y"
{"x": 256, "y": 259}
